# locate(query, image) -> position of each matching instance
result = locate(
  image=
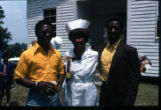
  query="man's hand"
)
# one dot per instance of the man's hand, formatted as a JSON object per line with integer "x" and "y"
{"x": 58, "y": 87}
{"x": 47, "y": 86}
{"x": 57, "y": 84}
{"x": 2, "y": 74}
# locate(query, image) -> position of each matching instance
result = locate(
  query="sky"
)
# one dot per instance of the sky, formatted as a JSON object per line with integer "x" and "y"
{"x": 15, "y": 19}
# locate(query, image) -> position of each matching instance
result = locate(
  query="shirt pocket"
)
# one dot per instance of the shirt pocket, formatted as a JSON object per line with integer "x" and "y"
{"x": 38, "y": 64}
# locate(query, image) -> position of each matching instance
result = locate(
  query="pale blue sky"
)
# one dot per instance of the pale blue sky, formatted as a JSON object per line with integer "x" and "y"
{"x": 15, "y": 19}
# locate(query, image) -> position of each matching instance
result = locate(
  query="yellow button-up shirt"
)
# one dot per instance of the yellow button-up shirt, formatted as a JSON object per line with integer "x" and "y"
{"x": 106, "y": 59}
{"x": 38, "y": 65}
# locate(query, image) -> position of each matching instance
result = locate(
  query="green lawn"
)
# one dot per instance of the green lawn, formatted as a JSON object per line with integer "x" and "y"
{"x": 147, "y": 95}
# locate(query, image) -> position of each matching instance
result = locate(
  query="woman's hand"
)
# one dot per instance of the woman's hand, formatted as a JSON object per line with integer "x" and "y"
{"x": 68, "y": 75}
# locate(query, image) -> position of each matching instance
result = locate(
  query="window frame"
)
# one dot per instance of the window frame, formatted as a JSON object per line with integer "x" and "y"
{"x": 49, "y": 16}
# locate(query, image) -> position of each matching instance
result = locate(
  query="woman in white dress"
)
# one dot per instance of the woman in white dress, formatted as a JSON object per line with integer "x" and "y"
{"x": 81, "y": 62}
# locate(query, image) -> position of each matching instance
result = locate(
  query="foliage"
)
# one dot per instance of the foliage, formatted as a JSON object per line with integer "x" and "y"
{"x": 1, "y": 15}
{"x": 15, "y": 50}
{"x": 5, "y": 36}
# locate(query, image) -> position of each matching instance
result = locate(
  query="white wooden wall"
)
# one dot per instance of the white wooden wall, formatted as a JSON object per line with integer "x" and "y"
{"x": 64, "y": 11}
{"x": 142, "y": 31}
{"x": 141, "y": 25}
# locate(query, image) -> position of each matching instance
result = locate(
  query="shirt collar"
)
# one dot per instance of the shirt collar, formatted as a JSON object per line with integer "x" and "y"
{"x": 71, "y": 54}
{"x": 37, "y": 47}
{"x": 113, "y": 45}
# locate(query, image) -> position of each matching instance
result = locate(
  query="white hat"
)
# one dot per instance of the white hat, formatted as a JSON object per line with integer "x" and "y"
{"x": 56, "y": 42}
{"x": 77, "y": 24}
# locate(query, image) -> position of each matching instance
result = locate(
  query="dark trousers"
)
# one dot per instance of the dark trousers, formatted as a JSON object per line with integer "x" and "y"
{"x": 108, "y": 97}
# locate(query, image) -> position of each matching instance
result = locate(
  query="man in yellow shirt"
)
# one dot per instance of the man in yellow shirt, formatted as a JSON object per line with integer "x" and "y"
{"x": 119, "y": 68}
{"x": 41, "y": 69}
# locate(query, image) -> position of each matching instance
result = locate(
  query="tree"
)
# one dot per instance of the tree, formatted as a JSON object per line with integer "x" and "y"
{"x": 1, "y": 15}
{"x": 15, "y": 50}
{"x": 5, "y": 36}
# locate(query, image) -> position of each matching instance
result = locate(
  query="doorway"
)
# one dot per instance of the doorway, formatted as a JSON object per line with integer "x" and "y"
{"x": 98, "y": 12}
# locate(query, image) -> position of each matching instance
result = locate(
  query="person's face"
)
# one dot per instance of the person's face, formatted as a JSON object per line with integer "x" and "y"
{"x": 114, "y": 30}
{"x": 79, "y": 42}
{"x": 45, "y": 34}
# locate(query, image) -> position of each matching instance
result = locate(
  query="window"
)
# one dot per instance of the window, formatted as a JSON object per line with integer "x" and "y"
{"x": 50, "y": 15}
{"x": 158, "y": 33}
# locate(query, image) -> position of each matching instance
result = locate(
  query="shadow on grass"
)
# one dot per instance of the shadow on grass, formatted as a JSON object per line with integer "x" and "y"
{"x": 14, "y": 103}
{"x": 150, "y": 80}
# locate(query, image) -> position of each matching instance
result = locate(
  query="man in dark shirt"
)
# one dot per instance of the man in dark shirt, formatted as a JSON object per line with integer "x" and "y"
{"x": 6, "y": 78}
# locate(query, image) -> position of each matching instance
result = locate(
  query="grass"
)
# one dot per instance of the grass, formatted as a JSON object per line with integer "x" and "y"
{"x": 18, "y": 96}
{"x": 147, "y": 95}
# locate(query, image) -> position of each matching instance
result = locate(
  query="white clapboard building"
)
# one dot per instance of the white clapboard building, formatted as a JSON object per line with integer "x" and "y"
{"x": 141, "y": 18}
